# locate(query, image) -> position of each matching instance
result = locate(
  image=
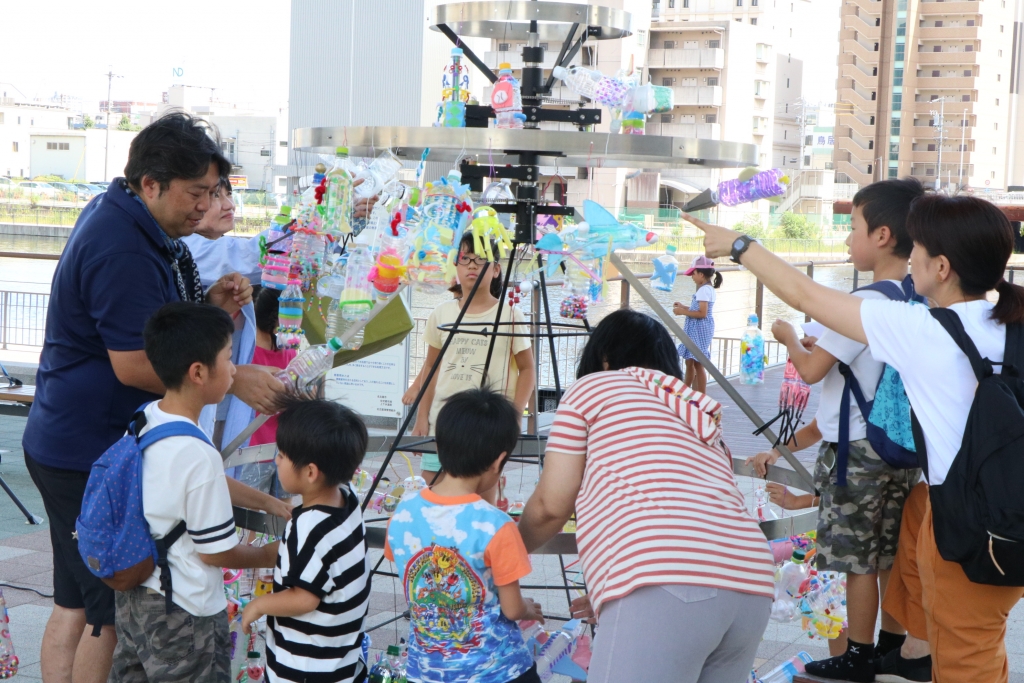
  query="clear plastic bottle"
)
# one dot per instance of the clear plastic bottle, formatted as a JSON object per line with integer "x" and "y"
{"x": 8, "y": 660}
{"x": 338, "y": 221}
{"x": 310, "y": 365}
{"x": 665, "y": 269}
{"x": 356, "y": 299}
{"x": 395, "y": 664}
{"x": 787, "y": 671}
{"x": 507, "y": 99}
{"x": 594, "y": 85}
{"x": 752, "y": 353}
{"x": 381, "y": 672}
{"x": 792, "y": 575}
{"x": 254, "y": 668}
{"x": 289, "y": 316}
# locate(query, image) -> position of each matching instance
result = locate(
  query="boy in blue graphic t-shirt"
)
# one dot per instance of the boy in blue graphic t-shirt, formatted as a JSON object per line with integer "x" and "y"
{"x": 461, "y": 558}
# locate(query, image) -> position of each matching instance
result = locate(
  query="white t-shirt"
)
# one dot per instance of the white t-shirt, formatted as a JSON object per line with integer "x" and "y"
{"x": 463, "y": 364}
{"x": 707, "y": 293}
{"x": 183, "y": 479}
{"x": 865, "y": 368}
{"x": 936, "y": 374}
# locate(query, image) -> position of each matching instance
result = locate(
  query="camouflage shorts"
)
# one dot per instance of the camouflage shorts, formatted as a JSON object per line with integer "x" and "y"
{"x": 155, "y": 646}
{"x": 859, "y": 524}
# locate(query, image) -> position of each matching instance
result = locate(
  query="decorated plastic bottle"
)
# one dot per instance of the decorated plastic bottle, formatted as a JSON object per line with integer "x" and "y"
{"x": 792, "y": 575}
{"x": 276, "y": 272}
{"x": 289, "y": 316}
{"x": 507, "y": 99}
{"x": 254, "y": 668}
{"x": 356, "y": 300}
{"x": 560, "y": 644}
{"x": 752, "y": 353}
{"x": 333, "y": 284}
{"x": 338, "y": 221}
{"x": 8, "y": 660}
{"x": 456, "y": 80}
{"x": 665, "y": 269}
{"x": 310, "y": 365}
{"x": 762, "y": 185}
{"x": 593, "y": 85}
{"x": 787, "y": 671}
{"x": 381, "y": 671}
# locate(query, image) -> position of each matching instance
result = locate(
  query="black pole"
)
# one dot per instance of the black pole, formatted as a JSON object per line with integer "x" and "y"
{"x": 419, "y": 397}
{"x": 551, "y": 333}
{"x": 561, "y": 53}
{"x": 477, "y": 62}
{"x": 497, "y": 318}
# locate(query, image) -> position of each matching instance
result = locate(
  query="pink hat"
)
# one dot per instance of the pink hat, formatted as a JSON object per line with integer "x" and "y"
{"x": 699, "y": 263}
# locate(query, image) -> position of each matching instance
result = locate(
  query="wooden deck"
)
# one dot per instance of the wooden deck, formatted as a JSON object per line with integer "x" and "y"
{"x": 764, "y": 398}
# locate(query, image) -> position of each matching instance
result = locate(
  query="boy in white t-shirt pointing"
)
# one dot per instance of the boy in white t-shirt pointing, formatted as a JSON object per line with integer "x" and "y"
{"x": 859, "y": 523}
{"x": 189, "y": 346}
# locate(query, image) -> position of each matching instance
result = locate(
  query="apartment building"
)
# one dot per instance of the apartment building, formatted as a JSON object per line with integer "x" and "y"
{"x": 929, "y": 89}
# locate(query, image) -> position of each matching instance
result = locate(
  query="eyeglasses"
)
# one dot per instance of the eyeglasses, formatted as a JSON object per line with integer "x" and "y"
{"x": 471, "y": 259}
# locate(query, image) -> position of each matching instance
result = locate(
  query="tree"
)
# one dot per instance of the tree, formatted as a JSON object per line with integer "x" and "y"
{"x": 126, "y": 124}
{"x": 795, "y": 226}
{"x": 87, "y": 122}
{"x": 751, "y": 225}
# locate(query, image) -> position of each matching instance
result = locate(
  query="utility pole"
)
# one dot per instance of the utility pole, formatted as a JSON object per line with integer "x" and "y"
{"x": 940, "y": 124}
{"x": 106, "y": 147}
{"x": 963, "y": 133}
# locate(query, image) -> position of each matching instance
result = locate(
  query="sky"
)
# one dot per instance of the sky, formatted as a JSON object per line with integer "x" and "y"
{"x": 58, "y": 46}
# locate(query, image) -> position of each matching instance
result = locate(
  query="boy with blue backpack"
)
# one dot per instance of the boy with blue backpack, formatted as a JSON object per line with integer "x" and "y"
{"x": 157, "y": 523}
{"x": 866, "y": 462}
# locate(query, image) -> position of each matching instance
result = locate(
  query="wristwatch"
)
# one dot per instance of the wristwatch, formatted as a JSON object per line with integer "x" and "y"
{"x": 740, "y": 246}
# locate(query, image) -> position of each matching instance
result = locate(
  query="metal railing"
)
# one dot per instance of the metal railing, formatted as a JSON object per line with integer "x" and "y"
{"x": 22, "y": 319}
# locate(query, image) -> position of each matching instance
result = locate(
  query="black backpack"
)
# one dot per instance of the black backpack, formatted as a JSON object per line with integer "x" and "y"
{"x": 978, "y": 511}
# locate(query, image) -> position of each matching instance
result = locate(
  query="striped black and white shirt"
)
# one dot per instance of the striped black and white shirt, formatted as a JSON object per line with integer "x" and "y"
{"x": 324, "y": 552}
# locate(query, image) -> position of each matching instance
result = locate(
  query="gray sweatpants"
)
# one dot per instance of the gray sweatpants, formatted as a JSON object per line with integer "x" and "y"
{"x": 684, "y": 634}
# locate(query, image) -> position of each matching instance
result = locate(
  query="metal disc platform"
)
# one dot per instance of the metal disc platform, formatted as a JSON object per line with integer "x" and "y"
{"x": 498, "y": 147}
{"x": 510, "y": 20}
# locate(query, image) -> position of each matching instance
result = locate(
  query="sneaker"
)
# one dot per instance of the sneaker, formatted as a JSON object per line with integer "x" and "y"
{"x": 893, "y": 668}
{"x": 847, "y": 667}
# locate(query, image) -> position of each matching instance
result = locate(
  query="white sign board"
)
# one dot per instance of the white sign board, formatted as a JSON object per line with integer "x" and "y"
{"x": 373, "y": 386}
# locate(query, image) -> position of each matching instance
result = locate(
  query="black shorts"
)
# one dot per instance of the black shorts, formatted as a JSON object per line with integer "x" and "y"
{"x": 74, "y": 586}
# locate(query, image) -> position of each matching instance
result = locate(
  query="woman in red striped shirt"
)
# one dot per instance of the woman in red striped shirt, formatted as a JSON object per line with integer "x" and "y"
{"x": 679, "y": 573}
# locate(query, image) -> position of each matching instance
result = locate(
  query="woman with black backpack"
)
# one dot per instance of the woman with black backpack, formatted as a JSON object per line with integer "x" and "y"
{"x": 960, "y": 565}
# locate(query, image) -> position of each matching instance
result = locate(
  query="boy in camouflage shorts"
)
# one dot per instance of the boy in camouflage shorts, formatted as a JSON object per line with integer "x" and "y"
{"x": 859, "y": 523}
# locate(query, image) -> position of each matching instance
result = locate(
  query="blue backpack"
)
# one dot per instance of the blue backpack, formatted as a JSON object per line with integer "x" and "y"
{"x": 113, "y": 536}
{"x": 887, "y": 416}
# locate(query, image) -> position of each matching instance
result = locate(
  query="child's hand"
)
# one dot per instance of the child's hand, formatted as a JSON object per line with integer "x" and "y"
{"x": 279, "y": 508}
{"x": 679, "y": 309}
{"x": 780, "y": 495}
{"x": 270, "y": 551}
{"x": 250, "y": 614}
{"x": 783, "y": 331}
{"x": 809, "y": 342}
{"x": 420, "y": 429}
{"x": 409, "y": 396}
{"x": 533, "y": 611}
{"x": 761, "y": 461}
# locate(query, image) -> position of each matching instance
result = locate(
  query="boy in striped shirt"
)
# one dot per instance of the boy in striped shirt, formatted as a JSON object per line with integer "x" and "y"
{"x": 322, "y": 579}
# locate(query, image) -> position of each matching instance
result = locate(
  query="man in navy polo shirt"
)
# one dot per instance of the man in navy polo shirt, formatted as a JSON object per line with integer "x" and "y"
{"x": 124, "y": 261}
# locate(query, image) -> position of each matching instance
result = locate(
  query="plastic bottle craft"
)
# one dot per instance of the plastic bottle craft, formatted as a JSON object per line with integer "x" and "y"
{"x": 787, "y": 671}
{"x": 454, "y": 93}
{"x": 254, "y": 667}
{"x": 823, "y": 606}
{"x": 435, "y": 230}
{"x": 793, "y": 397}
{"x": 752, "y": 353}
{"x": 564, "y": 652}
{"x": 337, "y": 222}
{"x": 665, "y": 269}
{"x": 289, "y": 316}
{"x": 8, "y": 660}
{"x": 507, "y": 100}
{"x": 750, "y": 186}
{"x": 617, "y": 93}
{"x": 790, "y": 586}
{"x": 356, "y": 300}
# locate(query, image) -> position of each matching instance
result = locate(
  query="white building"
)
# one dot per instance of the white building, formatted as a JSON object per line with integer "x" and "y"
{"x": 80, "y": 155}
{"x": 19, "y": 121}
